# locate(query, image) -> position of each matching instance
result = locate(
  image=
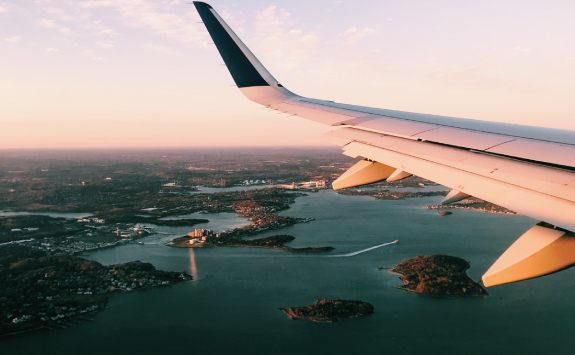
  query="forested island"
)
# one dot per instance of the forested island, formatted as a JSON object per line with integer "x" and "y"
{"x": 328, "y": 311}
{"x": 437, "y": 275}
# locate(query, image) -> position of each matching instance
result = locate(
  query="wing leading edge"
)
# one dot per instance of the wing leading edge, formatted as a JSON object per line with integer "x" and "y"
{"x": 527, "y": 169}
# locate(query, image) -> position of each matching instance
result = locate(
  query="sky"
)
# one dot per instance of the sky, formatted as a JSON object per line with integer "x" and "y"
{"x": 142, "y": 73}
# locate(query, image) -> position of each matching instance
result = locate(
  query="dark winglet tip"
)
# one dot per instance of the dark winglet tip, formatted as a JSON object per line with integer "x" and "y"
{"x": 201, "y": 3}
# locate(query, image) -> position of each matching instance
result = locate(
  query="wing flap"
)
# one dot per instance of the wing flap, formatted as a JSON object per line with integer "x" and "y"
{"x": 392, "y": 126}
{"x": 558, "y": 211}
{"x": 538, "y": 151}
{"x": 463, "y": 138}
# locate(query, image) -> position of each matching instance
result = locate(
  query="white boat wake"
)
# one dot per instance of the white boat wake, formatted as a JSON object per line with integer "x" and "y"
{"x": 362, "y": 251}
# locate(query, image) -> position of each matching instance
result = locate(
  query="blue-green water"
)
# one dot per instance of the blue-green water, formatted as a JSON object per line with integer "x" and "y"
{"x": 231, "y": 307}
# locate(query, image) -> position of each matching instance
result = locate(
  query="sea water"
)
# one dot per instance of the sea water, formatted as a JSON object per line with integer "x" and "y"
{"x": 231, "y": 307}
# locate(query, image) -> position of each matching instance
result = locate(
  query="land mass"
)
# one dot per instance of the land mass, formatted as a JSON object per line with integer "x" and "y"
{"x": 391, "y": 195}
{"x": 38, "y": 290}
{"x": 474, "y": 204}
{"x": 437, "y": 275}
{"x": 328, "y": 311}
{"x": 273, "y": 242}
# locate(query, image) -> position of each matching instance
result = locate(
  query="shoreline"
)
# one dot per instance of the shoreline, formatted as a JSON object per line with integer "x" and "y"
{"x": 284, "y": 248}
{"x": 403, "y": 288}
{"x": 276, "y": 242}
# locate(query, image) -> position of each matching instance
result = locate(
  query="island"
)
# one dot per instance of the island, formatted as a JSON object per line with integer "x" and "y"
{"x": 42, "y": 291}
{"x": 473, "y": 204}
{"x": 328, "y": 311}
{"x": 444, "y": 213}
{"x": 273, "y": 242}
{"x": 437, "y": 275}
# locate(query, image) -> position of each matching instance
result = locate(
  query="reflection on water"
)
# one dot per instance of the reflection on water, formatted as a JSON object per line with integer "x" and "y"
{"x": 193, "y": 268}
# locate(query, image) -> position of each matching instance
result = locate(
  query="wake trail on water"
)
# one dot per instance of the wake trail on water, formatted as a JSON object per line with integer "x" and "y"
{"x": 361, "y": 251}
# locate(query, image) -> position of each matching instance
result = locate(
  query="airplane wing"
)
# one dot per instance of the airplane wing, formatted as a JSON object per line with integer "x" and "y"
{"x": 530, "y": 170}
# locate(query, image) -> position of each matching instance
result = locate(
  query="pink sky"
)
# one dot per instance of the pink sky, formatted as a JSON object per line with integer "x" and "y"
{"x": 137, "y": 73}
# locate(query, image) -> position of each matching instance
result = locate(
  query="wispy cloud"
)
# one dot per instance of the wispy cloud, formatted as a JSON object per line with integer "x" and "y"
{"x": 104, "y": 44}
{"x": 144, "y": 14}
{"x": 52, "y": 49}
{"x": 98, "y": 28}
{"x": 352, "y": 35}
{"x": 14, "y": 39}
{"x": 289, "y": 47}
{"x": 107, "y": 31}
{"x": 3, "y": 9}
{"x": 96, "y": 4}
{"x": 61, "y": 14}
{"x": 51, "y": 24}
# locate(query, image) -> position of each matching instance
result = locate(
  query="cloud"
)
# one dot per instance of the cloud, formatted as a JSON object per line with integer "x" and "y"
{"x": 51, "y": 24}
{"x": 104, "y": 44}
{"x": 3, "y": 9}
{"x": 96, "y": 4}
{"x": 99, "y": 29}
{"x": 288, "y": 47}
{"x": 108, "y": 31}
{"x": 14, "y": 39}
{"x": 143, "y": 14}
{"x": 352, "y": 35}
{"x": 60, "y": 14}
{"x": 52, "y": 49}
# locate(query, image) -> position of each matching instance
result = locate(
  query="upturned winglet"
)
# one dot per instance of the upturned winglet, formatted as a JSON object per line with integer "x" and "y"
{"x": 250, "y": 76}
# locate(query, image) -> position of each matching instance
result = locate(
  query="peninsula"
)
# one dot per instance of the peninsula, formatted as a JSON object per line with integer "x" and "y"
{"x": 273, "y": 242}
{"x": 437, "y": 275}
{"x": 390, "y": 195}
{"x": 328, "y": 311}
{"x": 473, "y": 204}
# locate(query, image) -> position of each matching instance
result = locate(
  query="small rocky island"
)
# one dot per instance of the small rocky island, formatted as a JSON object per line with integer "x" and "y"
{"x": 273, "y": 242}
{"x": 437, "y": 275}
{"x": 328, "y": 311}
{"x": 444, "y": 213}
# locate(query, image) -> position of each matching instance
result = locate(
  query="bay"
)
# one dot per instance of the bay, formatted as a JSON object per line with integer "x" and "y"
{"x": 232, "y": 305}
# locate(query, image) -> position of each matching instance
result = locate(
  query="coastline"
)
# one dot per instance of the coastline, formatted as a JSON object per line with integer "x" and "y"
{"x": 274, "y": 242}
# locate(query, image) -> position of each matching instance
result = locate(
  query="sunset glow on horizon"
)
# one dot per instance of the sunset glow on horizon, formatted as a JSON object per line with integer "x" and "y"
{"x": 142, "y": 73}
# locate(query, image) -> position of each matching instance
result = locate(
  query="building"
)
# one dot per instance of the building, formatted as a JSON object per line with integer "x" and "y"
{"x": 202, "y": 235}
{"x": 313, "y": 184}
{"x": 292, "y": 186}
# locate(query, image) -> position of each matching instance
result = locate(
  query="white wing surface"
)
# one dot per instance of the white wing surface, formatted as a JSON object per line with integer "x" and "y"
{"x": 530, "y": 170}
